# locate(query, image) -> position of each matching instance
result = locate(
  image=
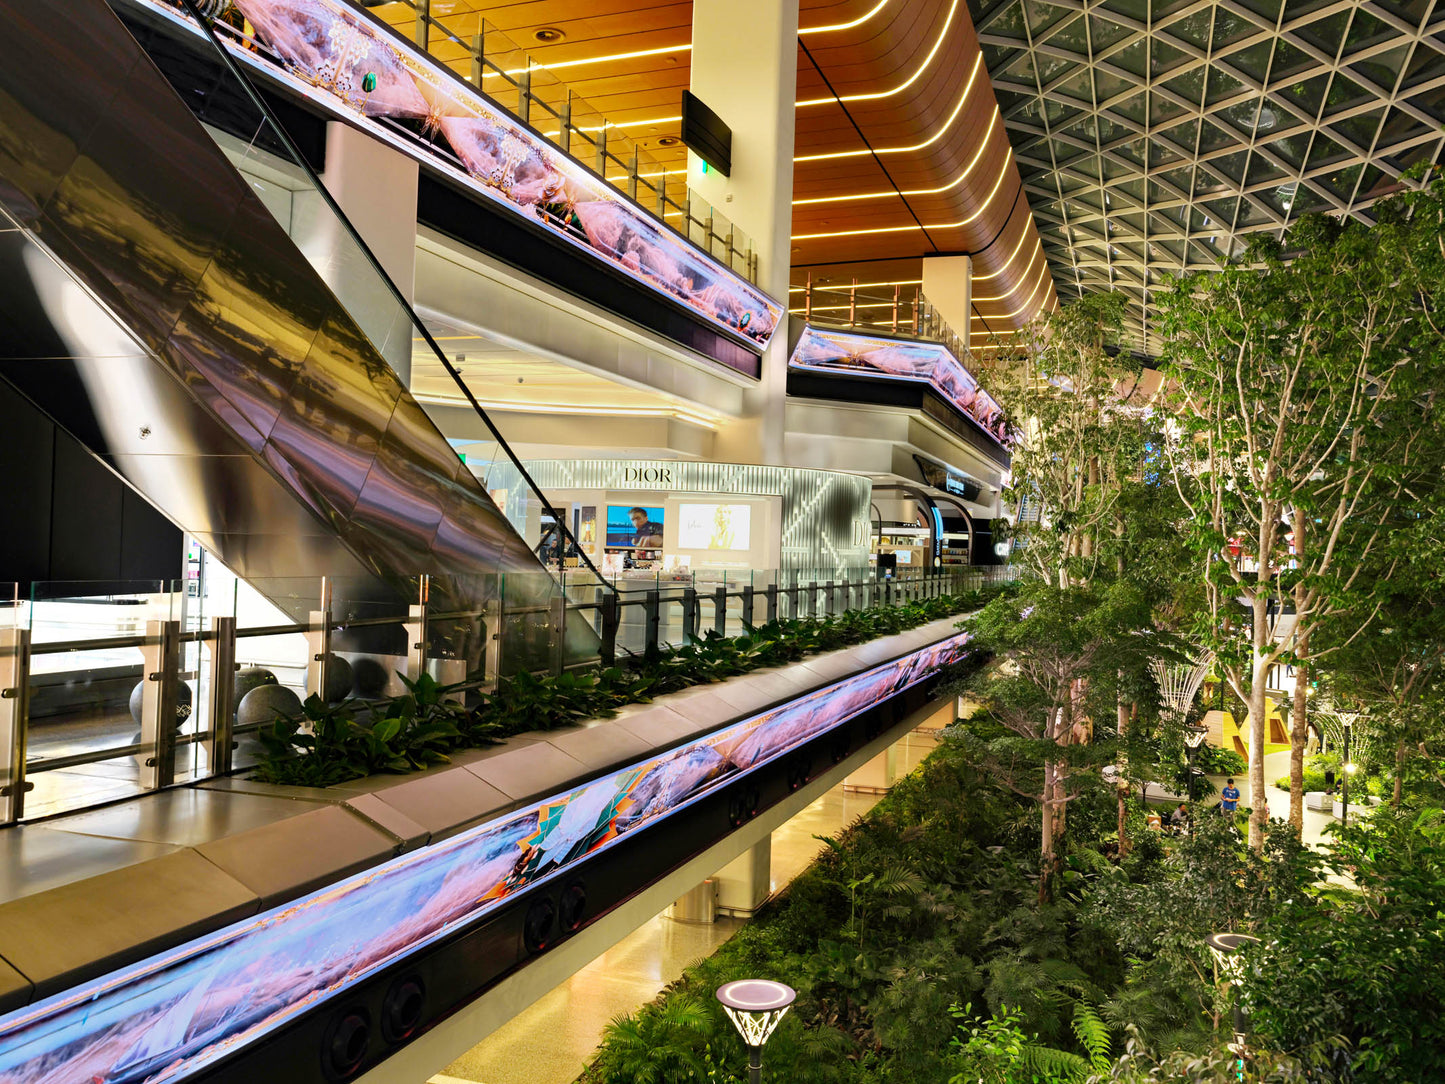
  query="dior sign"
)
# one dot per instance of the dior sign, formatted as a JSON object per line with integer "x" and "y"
{"x": 659, "y": 475}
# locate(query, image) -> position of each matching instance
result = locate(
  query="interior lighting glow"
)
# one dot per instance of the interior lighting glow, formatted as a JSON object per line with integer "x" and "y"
{"x": 875, "y": 95}
{"x": 861, "y": 285}
{"x": 845, "y": 26}
{"x": 977, "y": 157}
{"x": 1027, "y": 275}
{"x": 1004, "y": 267}
{"x": 942, "y": 129}
{"x": 636, "y": 54}
{"x": 998, "y": 183}
{"x": 600, "y": 410}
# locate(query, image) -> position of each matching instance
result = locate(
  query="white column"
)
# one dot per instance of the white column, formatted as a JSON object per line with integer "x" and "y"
{"x": 375, "y": 186}
{"x": 745, "y": 883}
{"x": 745, "y": 69}
{"x": 948, "y": 284}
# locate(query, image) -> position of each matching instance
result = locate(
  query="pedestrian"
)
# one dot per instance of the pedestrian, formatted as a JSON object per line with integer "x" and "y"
{"x": 1229, "y": 799}
{"x": 1179, "y": 819}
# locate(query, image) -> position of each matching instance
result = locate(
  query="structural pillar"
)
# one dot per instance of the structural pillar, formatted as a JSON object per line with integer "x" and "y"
{"x": 745, "y": 883}
{"x": 744, "y": 68}
{"x": 376, "y": 188}
{"x": 948, "y": 286}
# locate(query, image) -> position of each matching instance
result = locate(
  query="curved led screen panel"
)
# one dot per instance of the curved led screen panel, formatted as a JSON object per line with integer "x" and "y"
{"x": 359, "y": 70}
{"x": 183, "y": 1010}
{"x": 896, "y": 359}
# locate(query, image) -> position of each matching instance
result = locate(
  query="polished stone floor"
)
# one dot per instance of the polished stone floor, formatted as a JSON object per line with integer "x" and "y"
{"x": 551, "y": 1041}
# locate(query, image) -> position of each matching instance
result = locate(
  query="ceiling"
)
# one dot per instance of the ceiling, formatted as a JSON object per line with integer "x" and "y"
{"x": 1153, "y": 135}
{"x": 899, "y": 150}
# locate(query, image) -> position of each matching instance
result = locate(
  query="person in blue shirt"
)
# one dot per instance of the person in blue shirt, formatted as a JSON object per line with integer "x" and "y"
{"x": 1229, "y": 798}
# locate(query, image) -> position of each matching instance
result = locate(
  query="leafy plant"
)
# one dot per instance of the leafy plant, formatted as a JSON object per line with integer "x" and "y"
{"x": 333, "y": 743}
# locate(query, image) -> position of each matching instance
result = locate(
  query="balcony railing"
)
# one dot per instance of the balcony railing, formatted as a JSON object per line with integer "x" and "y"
{"x": 105, "y": 696}
{"x": 870, "y": 308}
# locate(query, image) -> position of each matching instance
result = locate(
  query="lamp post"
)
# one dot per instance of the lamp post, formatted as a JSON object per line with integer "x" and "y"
{"x": 1349, "y": 770}
{"x": 755, "y": 1006}
{"x": 1194, "y": 736}
{"x": 1224, "y": 947}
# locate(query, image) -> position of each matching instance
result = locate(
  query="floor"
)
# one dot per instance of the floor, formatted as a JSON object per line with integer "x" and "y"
{"x": 551, "y": 1041}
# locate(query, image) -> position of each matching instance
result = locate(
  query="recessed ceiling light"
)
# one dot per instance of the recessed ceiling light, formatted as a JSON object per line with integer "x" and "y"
{"x": 549, "y": 35}
{"x": 668, "y": 141}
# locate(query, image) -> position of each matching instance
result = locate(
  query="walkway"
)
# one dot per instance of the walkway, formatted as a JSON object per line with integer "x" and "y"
{"x": 550, "y": 1042}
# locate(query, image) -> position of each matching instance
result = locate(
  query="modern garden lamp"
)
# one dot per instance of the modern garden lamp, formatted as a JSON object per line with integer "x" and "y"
{"x": 1194, "y": 736}
{"x": 755, "y": 1006}
{"x": 1224, "y": 947}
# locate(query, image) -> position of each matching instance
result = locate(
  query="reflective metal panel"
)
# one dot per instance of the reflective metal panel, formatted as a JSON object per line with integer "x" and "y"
{"x": 194, "y": 346}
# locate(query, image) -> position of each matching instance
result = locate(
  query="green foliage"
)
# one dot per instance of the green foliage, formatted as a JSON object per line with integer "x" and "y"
{"x": 1356, "y": 979}
{"x": 1214, "y": 760}
{"x": 332, "y": 743}
{"x": 927, "y": 903}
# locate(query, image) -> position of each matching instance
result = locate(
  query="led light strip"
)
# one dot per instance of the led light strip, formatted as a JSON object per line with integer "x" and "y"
{"x": 600, "y": 410}
{"x": 942, "y": 131}
{"x": 637, "y": 54}
{"x": 845, "y": 26}
{"x": 874, "y": 96}
{"x": 915, "y": 227}
{"x": 977, "y": 157}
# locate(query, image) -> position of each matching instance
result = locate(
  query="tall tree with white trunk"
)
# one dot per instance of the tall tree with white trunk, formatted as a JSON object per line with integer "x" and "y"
{"x": 1301, "y": 384}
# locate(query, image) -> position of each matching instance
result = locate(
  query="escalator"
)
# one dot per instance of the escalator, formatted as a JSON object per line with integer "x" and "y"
{"x": 154, "y": 308}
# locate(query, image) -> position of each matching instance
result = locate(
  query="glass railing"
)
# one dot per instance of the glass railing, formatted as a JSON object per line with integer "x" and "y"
{"x": 489, "y": 59}
{"x": 891, "y": 308}
{"x": 117, "y": 689}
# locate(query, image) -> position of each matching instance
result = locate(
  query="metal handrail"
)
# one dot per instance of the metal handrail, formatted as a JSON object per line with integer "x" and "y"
{"x": 156, "y": 751}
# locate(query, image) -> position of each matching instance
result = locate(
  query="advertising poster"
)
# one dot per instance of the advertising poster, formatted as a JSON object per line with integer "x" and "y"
{"x": 587, "y": 533}
{"x": 634, "y": 527}
{"x": 714, "y": 526}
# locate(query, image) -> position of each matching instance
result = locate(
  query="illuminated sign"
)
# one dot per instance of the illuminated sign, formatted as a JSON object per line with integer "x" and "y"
{"x": 714, "y": 526}
{"x": 362, "y": 72}
{"x": 180, "y": 1011}
{"x": 901, "y": 359}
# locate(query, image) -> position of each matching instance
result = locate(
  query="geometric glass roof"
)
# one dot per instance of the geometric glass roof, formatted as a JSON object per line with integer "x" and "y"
{"x": 1152, "y": 135}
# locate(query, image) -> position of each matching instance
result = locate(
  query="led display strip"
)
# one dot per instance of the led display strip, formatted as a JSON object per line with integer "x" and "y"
{"x": 358, "y": 70}
{"x": 183, "y": 1010}
{"x": 836, "y": 352}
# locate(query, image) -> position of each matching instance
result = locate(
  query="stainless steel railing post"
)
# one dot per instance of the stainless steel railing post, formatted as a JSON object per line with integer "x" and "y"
{"x": 14, "y": 721}
{"x": 222, "y": 681}
{"x": 160, "y": 677}
{"x": 318, "y": 643}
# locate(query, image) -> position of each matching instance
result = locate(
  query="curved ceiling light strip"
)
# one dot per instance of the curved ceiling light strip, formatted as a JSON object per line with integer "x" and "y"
{"x": 845, "y": 26}
{"x": 942, "y": 130}
{"x": 977, "y": 157}
{"x": 997, "y": 184}
{"x": 901, "y": 87}
{"x": 1039, "y": 285}
{"x": 1025, "y": 278}
{"x": 1005, "y": 265}
{"x": 637, "y": 54}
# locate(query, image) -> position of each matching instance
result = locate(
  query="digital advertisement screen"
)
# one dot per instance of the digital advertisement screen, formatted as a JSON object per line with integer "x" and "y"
{"x": 714, "y": 526}
{"x": 346, "y": 60}
{"x": 925, "y": 362}
{"x": 168, "y": 1017}
{"x": 634, "y": 527}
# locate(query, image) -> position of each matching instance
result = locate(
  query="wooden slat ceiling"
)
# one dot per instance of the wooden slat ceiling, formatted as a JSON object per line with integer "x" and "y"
{"x": 923, "y": 144}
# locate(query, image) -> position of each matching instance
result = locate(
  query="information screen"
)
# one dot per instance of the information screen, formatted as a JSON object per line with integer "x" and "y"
{"x": 714, "y": 526}
{"x": 634, "y": 527}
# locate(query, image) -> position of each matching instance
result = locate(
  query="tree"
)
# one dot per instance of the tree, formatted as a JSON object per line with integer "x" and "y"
{"x": 1058, "y": 652}
{"x": 1087, "y": 457}
{"x": 1297, "y": 378}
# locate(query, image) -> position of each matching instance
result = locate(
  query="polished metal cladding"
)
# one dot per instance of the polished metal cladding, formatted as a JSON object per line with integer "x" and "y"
{"x": 153, "y": 306}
